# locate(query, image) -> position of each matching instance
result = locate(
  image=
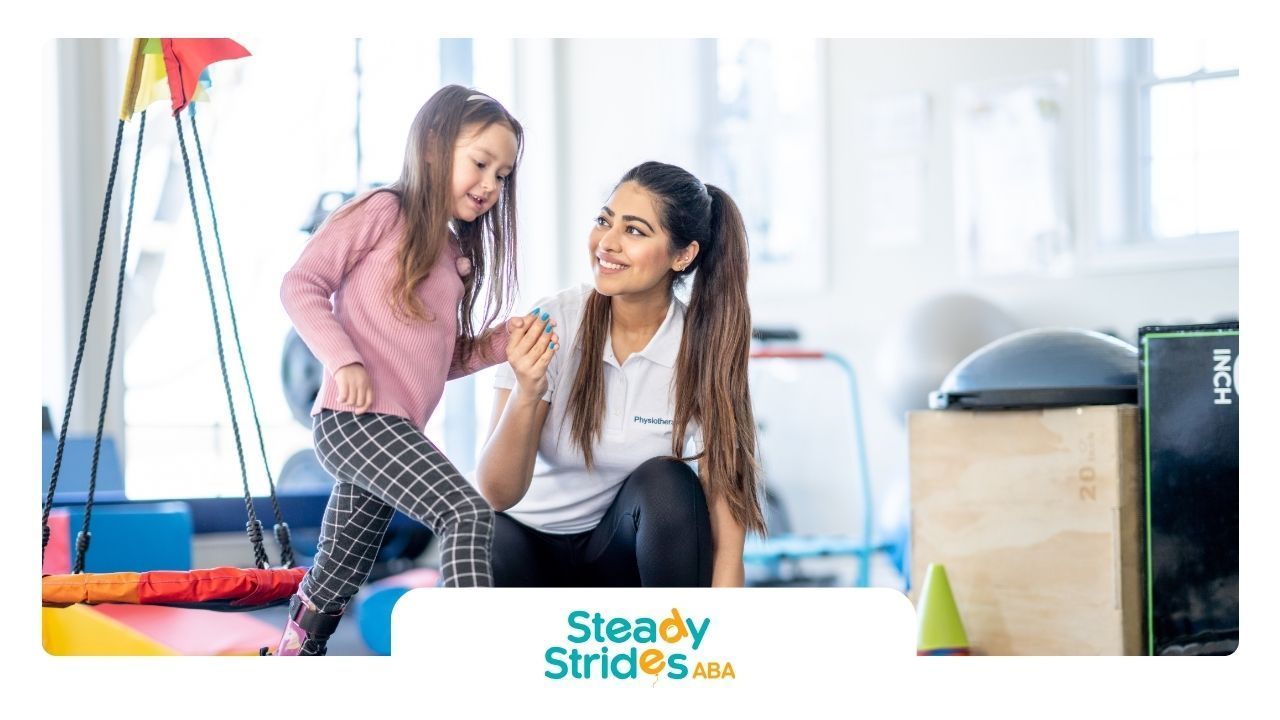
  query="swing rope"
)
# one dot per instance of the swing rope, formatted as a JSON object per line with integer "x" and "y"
{"x": 281, "y": 527}
{"x": 82, "y": 539}
{"x": 253, "y": 527}
{"x": 84, "y": 334}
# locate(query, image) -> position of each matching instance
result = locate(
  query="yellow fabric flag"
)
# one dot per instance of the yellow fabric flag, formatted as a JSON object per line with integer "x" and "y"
{"x": 132, "y": 79}
{"x": 147, "y": 81}
{"x": 155, "y": 83}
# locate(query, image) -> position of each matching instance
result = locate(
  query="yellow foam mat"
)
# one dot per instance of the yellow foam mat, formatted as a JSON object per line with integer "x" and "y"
{"x": 81, "y": 630}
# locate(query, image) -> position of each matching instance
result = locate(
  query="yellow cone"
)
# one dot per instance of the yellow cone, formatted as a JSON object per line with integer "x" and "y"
{"x": 941, "y": 632}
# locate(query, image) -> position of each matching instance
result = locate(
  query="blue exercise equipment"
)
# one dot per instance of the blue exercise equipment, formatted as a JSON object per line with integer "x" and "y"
{"x": 166, "y": 527}
{"x": 373, "y": 606}
{"x": 783, "y": 544}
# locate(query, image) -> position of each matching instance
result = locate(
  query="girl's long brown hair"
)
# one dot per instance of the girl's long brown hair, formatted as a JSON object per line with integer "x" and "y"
{"x": 711, "y": 369}
{"x": 423, "y": 190}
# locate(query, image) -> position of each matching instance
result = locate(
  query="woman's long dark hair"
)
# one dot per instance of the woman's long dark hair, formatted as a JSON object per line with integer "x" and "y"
{"x": 423, "y": 189}
{"x": 711, "y": 370}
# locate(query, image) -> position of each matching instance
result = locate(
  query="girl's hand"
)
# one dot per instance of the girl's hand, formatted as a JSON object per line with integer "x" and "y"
{"x": 354, "y": 387}
{"x": 532, "y": 345}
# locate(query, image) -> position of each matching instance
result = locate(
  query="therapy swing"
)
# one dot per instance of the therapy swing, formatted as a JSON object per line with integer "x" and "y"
{"x": 178, "y": 64}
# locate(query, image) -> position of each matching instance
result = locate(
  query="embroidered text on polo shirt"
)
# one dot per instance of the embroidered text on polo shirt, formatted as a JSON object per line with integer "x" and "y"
{"x": 651, "y": 421}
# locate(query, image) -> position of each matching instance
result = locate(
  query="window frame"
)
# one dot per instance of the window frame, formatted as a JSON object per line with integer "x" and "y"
{"x": 1133, "y": 245}
{"x": 793, "y": 276}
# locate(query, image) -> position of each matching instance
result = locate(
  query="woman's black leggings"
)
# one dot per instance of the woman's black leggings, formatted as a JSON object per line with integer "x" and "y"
{"x": 656, "y": 533}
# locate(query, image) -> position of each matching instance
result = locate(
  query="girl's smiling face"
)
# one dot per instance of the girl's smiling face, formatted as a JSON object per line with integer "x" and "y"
{"x": 482, "y": 160}
{"x": 630, "y": 250}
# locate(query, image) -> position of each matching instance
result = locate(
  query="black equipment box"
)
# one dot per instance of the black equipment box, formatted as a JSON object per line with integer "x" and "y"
{"x": 1190, "y": 410}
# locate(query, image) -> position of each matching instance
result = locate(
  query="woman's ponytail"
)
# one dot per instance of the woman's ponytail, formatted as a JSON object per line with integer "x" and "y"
{"x": 711, "y": 372}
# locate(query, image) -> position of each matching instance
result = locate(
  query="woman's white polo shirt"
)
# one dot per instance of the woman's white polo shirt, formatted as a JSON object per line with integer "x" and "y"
{"x": 564, "y": 496}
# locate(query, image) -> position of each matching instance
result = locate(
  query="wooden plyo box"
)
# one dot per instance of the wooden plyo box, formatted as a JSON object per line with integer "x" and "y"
{"x": 1035, "y": 514}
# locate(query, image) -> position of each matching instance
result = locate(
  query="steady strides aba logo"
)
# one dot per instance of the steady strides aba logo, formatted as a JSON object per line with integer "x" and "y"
{"x": 618, "y": 648}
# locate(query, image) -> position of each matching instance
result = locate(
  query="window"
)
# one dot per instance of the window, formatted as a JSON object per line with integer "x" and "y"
{"x": 1189, "y": 104}
{"x": 1165, "y": 143}
{"x": 767, "y": 150}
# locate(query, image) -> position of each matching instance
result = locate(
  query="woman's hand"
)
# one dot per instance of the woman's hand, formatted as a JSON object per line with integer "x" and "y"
{"x": 354, "y": 387}
{"x": 532, "y": 345}
{"x": 506, "y": 463}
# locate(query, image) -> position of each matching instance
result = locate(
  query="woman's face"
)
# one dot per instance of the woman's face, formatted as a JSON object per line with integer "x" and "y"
{"x": 630, "y": 251}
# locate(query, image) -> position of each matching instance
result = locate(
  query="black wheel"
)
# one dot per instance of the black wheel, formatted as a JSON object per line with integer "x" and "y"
{"x": 303, "y": 473}
{"x": 301, "y": 374}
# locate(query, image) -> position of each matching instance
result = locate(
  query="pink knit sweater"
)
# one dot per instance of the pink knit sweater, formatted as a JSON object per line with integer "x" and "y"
{"x": 337, "y": 296}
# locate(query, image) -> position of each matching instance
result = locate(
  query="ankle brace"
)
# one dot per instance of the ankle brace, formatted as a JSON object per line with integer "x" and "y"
{"x": 318, "y": 626}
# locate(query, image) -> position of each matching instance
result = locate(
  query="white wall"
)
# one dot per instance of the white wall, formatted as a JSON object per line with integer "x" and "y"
{"x": 873, "y": 290}
{"x": 625, "y": 102}
{"x": 84, "y": 126}
{"x": 53, "y": 365}
{"x": 628, "y": 101}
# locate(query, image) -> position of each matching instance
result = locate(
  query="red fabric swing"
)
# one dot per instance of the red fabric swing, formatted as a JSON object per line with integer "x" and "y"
{"x": 224, "y": 588}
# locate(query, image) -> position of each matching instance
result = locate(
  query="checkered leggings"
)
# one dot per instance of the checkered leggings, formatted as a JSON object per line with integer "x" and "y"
{"x": 383, "y": 463}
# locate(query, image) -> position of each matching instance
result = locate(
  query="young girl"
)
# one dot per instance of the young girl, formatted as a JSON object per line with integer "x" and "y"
{"x": 383, "y": 295}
